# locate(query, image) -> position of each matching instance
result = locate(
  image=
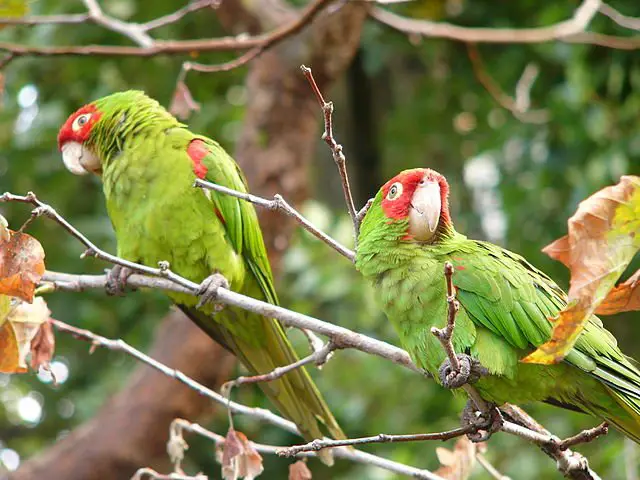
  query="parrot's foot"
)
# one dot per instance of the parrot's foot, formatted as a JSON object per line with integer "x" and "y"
{"x": 117, "y": 280}
{"x": 488, "y": 422}
{"x": 470, "y": 371}
{"x": 208, "y": 291}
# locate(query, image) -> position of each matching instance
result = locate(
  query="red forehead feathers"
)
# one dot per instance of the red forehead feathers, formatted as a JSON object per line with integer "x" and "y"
{"x": 67, "y": 134}
{"x": 399, "y": 208}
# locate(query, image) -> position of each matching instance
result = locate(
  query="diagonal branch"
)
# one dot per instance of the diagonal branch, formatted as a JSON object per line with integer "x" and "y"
{"x": 280, "y": 204}
{"x": 131, "y": 30}
{"x": 573, "y": 30}
{"x": 178, "y": 14}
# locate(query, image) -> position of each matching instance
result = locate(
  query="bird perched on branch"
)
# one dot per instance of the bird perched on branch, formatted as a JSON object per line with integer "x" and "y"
{"x": 405, "y": 240}
{"x": 148, "y": 162}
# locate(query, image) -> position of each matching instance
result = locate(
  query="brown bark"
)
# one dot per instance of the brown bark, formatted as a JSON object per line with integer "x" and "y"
{"x": 133, "y": 427}
{"x": 276, "y": 146}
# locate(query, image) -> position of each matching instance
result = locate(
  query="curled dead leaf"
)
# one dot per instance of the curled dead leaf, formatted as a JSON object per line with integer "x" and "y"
{"x": 43, "y": 346}
{"x": 602, "y": 240}
{"x": 457, "y": 464}
{"x": 19, "y": 326}
{"x": 21, "y": 265}
{"x": 239, "y": 458}
{"x": 624, "y": 297}
{"x": 182, "y": 103}
{"x": 299, "y": 471}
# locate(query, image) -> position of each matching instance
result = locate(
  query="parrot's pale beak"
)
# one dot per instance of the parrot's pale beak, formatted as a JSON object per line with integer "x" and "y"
{"x": 424, "y": 213}
{"x": 79, "y": 159}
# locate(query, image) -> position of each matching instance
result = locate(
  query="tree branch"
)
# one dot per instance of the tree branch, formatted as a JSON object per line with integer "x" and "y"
{"x": 336, "y": 150}
{"x": 280, "y": 204}
{"x": 571, "y": 31}
{"x": 179, "y": 14}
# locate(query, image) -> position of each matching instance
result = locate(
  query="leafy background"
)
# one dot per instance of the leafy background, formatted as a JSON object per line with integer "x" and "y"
{"x": 402, "y": 104}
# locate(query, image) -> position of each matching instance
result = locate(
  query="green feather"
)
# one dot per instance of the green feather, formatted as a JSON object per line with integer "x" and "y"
{"x": 158, "y": 215}
{"x": 506, "y": 310}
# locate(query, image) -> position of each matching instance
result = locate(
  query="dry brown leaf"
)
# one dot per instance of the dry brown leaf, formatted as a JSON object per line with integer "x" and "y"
{"x": 43, "y": 346}
{"x": 182, "y": 103}
{"x": 299, "y": 471}
{"x": 239, "y": 458}
{"x": 624, "y": 297}
{"x": 458, "y": 463}
{"x": 602, "y": 240}
{"x": 21, "y": 264}
{"x": 20, "y": 323}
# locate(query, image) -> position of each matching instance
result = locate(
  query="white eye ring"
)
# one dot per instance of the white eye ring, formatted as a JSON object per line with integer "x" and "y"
{"x": 80, "y": 122}
{"x": 395, "y": 191}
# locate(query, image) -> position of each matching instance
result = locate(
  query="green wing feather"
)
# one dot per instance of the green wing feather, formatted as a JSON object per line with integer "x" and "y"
{"x": 503, "y": 292}
{"x": 295, "y": 394}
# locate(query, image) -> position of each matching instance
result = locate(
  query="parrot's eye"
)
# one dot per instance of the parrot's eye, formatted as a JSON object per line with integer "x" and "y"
{"x": 395, "y": 191}
{"x": 80, "y": 122}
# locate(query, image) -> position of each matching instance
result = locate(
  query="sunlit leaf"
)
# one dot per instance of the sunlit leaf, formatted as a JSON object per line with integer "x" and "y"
{"x": 602, "y": 240}
{"x": 457, "y": 464}
{"x": 299, "y": 471}
{"x": 21, "y": 264}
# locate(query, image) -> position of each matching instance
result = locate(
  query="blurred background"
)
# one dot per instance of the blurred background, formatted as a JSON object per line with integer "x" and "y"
{"x": 400, "y": 102}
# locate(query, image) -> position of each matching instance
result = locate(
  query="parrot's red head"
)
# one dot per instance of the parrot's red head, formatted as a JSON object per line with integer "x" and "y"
{"x": 78, "y": 157}
{"x": 420, "y": 196}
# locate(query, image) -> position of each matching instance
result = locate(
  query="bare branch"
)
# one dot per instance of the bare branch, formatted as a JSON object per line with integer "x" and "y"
{"x": 317, "y": 357}
{"x": 131, "y": 30}
{"x": 150, "y": 48}
{"x": 319, "y": 444}
{"x": 491, "y": 470}
{"x": 341, "y": 337}
{"x": 622, "y": 20}
{"x": 518, "y": 107}
{"x": 336, "y": 149}
{"x": 445, "y": 334}
{"x": 585, "y": 436}
{"x": 150, "y": 474}
{"x": 32, "y": 20}
{"x": 280, "y": 204}
{"x": 569, "y": 31}
{"x": 577, "y": 24}
{"x": 178, "y": 14}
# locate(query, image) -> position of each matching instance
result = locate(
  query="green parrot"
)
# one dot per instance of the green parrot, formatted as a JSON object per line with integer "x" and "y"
{"x": 148, "y": 162}
{"x": 405, "y": 240}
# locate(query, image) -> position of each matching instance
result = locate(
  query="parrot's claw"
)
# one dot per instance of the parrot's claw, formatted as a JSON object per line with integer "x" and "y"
{"x": 488, "y": 422}
{"x": 470, "y": 371}
{"x": 208, "y": 291}
{"x": 117, "y": 280}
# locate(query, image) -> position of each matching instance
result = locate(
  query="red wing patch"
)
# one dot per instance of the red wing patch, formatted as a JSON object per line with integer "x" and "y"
{"x": 197, "y": 150}
{"x": 219, "y": 215}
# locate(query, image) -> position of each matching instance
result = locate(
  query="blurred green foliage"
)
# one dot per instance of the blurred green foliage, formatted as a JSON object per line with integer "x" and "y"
{"x": 512, "y": 183}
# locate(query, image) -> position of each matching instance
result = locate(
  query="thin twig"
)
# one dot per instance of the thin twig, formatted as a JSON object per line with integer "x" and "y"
{"x": 150, "y": 474}
{"x": 345, "y": 453}
{"x": 625, "y": 21}
{"x": 280, "y": 204}
{"x": 559, "y": 31}
{"x": 336, "y": 149}
{"x": 130, "y": 30}
{"x": 519, "y": 106}
{"x": 584, "y": 436}
{"x": 445, "y": 334}
{"x": 319, "y": 356}
{"x": 491, "y": 470}
{"x": 341, "y": 337}
{"x": 319, "y": 444}
{"x": 178, "y": 14}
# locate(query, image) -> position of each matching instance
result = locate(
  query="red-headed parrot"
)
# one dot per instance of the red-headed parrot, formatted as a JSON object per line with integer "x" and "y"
{"x": 148, "y": 162}
{"x": 405, "y": 240}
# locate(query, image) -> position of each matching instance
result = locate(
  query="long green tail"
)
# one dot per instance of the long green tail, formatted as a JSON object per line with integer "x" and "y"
{"x": 295, "y": 394}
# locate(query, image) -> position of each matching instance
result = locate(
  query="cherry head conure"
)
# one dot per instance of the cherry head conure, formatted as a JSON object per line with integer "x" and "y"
{"x": 148, "y": 162}
{"x": 506, "y": 304}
